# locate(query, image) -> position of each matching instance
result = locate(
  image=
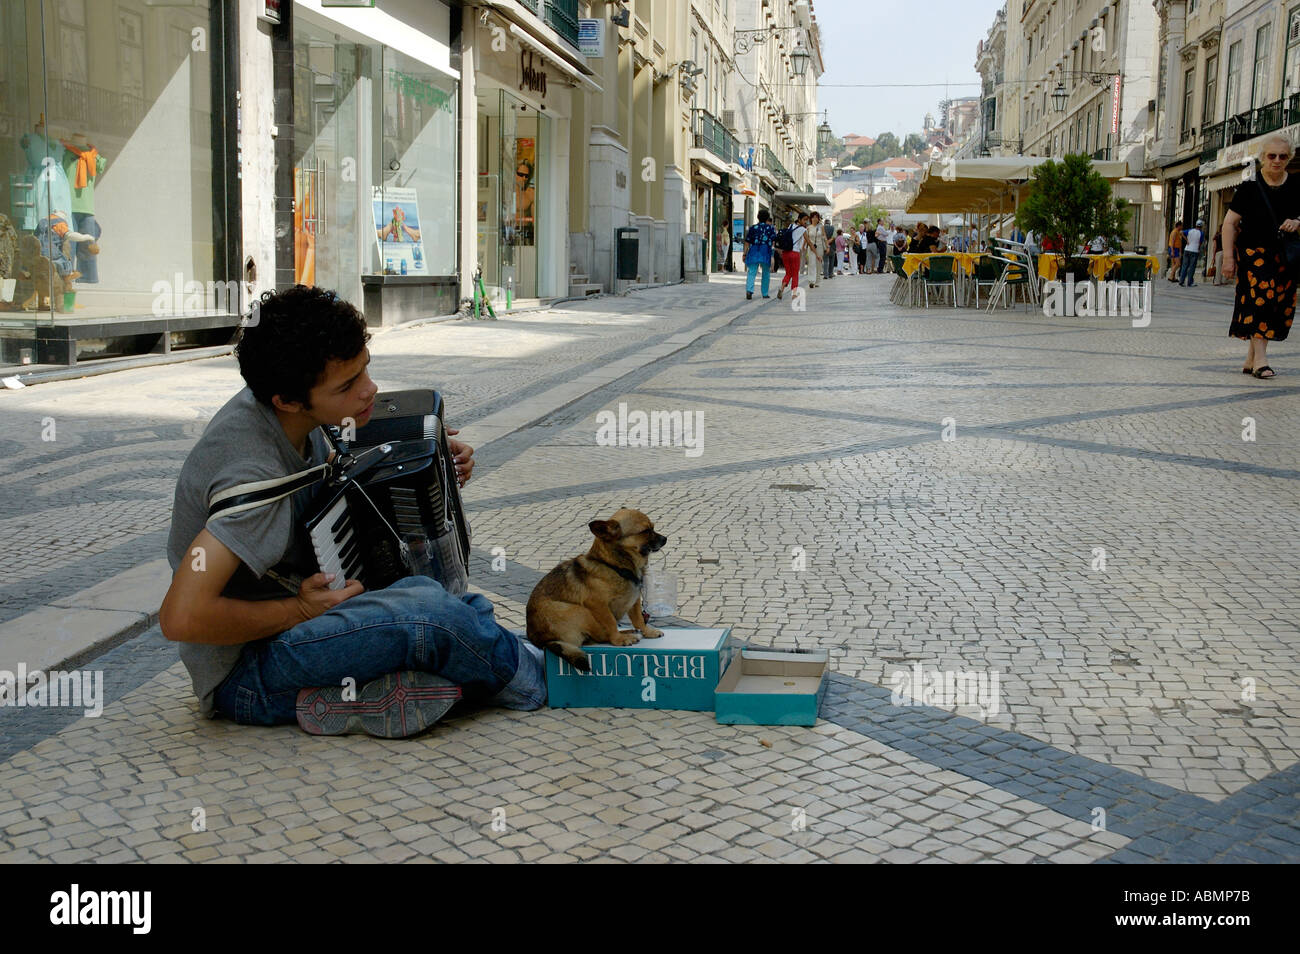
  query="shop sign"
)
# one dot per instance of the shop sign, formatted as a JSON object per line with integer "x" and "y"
{"x": 270, "y": 11}
{"x": 420, "y": 90}
{"x": 591, "y": 38}
{"x": 1114, "y": 108}
{"x": 532, "y": 78}
{"x": 1233, "y": 155}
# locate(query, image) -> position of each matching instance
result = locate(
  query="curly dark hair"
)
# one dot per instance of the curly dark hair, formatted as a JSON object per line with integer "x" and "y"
{"x": 289, "y": 336}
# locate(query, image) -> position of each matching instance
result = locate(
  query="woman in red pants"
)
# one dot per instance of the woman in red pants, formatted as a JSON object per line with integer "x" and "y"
{"x": 790, "y": 259}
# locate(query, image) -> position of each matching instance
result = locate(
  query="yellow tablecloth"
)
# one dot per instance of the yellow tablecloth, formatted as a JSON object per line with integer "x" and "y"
{"x": 1098, "y": 265}
{"x": 965, "y": 260}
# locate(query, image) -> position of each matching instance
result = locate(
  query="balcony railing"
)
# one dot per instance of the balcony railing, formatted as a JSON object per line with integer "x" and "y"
{"x": 562, "y": 17}
{"x": 1268, "y": 118}
{"x": 710, "y": 134}
{"x": 1212, "y": 142}
{"x": 770, "y": 161}
{"x": 1103, "y": 153}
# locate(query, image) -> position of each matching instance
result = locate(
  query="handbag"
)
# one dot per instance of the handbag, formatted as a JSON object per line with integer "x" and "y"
{"x": 1290, "y": 240}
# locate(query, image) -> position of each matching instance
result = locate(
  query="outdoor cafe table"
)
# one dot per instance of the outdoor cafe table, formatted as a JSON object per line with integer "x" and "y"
{"x": 965, "y": 260}
{"x": 1098, "y": 265}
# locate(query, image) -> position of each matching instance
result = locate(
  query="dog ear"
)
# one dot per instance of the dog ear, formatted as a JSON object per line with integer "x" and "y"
{"x": 605, "y": 529}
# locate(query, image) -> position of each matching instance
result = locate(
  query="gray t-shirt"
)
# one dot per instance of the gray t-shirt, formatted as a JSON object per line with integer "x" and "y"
{"x": 243, "y": 442}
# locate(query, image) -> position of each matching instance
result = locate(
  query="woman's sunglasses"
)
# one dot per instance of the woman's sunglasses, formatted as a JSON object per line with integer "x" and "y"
{"x": 1275, "y": 155}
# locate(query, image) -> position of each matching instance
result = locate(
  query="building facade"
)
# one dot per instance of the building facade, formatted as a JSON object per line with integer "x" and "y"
{"x": 1256, "y": 93}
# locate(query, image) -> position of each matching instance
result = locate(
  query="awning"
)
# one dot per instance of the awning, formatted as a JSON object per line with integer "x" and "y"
{"x": 1176, "y": 170}
{"x": 979, "y": 185}
{"x": 801, "y": 198}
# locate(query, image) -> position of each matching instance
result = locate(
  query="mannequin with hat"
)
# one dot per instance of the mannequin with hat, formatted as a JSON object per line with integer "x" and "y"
{"x": 83, "y": 166}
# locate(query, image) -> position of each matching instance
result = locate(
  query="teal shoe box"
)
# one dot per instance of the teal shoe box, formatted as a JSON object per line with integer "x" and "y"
{"x": 679, "y": 670}
{"x": 772, "y": 688}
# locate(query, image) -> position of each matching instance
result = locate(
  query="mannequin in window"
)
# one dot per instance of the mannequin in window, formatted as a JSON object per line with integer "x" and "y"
{"x": 52, "y": 189}
{"x": 83, "y": 165}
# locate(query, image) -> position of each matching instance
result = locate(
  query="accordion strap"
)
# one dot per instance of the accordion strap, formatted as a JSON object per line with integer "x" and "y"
{"x": 259, "y": 493}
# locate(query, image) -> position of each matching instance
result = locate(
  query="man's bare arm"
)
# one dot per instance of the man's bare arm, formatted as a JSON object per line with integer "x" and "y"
{"x": 194, "y": 611}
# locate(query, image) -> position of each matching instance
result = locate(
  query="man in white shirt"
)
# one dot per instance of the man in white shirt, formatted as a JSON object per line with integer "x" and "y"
{"x": 1191, "y": 252}
{"x": 884, "y": 236}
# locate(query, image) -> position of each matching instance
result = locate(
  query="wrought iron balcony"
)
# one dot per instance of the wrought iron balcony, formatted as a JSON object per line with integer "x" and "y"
{"x": 770, "y": 161}
{"x": 710, "y": 134}
{"x": 562, "y": 17}
{"x": 1238, "y": 128}
{"x": 1268, "y": 118}
{"x": 1212, "y": 141}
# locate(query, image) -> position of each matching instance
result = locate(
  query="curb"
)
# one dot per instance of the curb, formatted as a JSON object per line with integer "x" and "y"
{"x": 101, "y": 627}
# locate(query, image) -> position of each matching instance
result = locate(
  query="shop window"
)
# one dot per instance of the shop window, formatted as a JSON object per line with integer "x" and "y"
{"x": 107, "y": 161}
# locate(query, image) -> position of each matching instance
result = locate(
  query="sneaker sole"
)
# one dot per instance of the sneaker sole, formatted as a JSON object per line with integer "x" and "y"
{"x": 394, "y": 706}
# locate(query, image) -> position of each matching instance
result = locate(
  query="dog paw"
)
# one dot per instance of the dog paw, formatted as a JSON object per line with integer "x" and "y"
{"x": 651, "y": 633}
{"x": 625, "y": 637}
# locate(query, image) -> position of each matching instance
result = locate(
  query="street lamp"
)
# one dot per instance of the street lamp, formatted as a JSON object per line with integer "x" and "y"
{"x": 799, "y": 58}
{"x": 824, "y": 134}
{"x": 1059, "y": 96}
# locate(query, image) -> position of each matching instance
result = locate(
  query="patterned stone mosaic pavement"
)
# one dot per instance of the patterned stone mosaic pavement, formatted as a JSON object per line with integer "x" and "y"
{"x": 1066, "y": 504}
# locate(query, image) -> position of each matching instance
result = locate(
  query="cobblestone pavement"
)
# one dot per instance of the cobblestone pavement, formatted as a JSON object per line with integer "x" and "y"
{"x": 104, "y": 452}
{"x": 1067, "y": 505}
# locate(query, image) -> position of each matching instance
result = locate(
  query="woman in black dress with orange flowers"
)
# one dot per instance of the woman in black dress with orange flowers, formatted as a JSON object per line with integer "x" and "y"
{"x": 1266, "y": 289}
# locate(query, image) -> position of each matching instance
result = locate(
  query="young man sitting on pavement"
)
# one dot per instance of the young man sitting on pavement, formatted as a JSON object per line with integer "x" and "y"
{"x": 389, "y": 662}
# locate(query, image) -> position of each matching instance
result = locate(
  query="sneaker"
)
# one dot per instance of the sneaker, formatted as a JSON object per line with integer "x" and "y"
{"x": 394, "y": 706}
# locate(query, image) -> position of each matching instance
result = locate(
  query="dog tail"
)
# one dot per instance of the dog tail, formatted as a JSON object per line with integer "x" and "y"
{"x": 574, "y": 657}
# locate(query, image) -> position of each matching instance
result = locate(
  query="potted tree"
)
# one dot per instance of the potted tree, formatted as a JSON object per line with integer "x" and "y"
{"x": 1072, "y": 202}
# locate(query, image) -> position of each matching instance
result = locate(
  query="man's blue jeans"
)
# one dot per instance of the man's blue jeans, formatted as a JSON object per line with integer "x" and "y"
{"x": 751, "y": 269}
{"x": 412, "y": 625}
{"x": 1187, "y": 274}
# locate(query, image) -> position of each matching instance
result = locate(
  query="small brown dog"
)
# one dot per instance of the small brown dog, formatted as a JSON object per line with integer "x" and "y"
{"x": 582, "y": 599}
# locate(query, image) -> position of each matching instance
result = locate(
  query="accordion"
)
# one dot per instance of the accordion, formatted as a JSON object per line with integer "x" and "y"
{"x": 393, "y": 510}
{"x": 387, "y": 505}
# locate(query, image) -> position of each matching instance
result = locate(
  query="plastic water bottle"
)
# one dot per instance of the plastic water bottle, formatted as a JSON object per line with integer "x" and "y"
{"x": 659, "y": 591}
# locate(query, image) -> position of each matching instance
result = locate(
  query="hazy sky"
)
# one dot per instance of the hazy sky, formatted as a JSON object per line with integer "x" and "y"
{"x": 897, "y": 41}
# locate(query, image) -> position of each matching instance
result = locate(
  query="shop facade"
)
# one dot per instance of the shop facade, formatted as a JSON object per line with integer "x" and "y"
{"x": 368, "y": 159}
{"x": 119, "y": 203}
{"x": 523, "y": 101}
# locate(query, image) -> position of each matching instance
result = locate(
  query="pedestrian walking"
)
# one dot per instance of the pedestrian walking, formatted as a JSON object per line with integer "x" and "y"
{"x": 1191, "y": 252}
{"x": 1175, "y": 244}
{"x": 790, "y": 242}
{"x": 828, "y": 261}
{"x": 1216, "y": 266}
{"x": 758, "y": 253}
{"x": 815, "y": 249}
{"x": 884, "y": 235}
{"x": 870, "y": 256}
{"x": 1263, "y": 217}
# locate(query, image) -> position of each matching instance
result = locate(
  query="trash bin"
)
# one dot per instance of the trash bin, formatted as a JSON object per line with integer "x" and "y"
{"x": 628, "y": 244}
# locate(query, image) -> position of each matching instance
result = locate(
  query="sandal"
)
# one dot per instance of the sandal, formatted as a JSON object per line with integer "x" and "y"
{"x": 1247, "y": 370}
{"x": 1259, "y": 373}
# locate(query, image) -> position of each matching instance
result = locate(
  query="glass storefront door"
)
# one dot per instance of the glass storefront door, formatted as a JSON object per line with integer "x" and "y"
{"x": 514, "y": 141}
{"x": 330, "y": 90}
